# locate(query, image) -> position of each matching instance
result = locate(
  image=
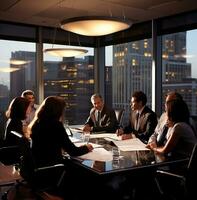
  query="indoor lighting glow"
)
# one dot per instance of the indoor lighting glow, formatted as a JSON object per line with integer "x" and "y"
{"x": 65, "y": 52}
{"x": 18, "y": 62}
{"x": 95, "y": 26}
{"x": 8, "y": 69}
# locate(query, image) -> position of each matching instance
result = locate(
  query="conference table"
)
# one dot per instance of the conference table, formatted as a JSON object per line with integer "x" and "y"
{"x": 112, "y": 160}
{"x": 119, "y": 156}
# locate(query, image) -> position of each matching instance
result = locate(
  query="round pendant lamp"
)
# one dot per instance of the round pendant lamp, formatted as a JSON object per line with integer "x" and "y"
{"x": 95, "y": 26}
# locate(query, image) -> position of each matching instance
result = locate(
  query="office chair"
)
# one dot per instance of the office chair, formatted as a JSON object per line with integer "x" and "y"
{"x": 9, "y": 155}
{"x": 193, "y": 123}
{"x": 43, "y": 181}
{"x": 119, "y": 115}
{"x": 186, "y": 184}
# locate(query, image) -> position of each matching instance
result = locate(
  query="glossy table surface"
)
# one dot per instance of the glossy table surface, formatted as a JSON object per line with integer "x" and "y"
{"x": 124, "y": 160}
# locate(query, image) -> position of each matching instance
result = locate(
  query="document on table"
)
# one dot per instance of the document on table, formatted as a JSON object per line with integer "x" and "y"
{"x": 78, "y": 144}
{"x": 73, "y": 139}
{"x": 77, "y": 129}
{"x": 109, "y": 136}
{"x": 98, "y": 154}
{"x": 134, "y": 144}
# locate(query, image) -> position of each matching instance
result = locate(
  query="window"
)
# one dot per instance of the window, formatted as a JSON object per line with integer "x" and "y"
{"x": 180, "y": 66}
{"x": 17, "y": 72}
{"x": 128, "y": 68}
{"x": 73, "y": 79}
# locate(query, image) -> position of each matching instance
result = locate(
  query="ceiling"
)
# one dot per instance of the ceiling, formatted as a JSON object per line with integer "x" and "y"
{"x": 51, "y": 12}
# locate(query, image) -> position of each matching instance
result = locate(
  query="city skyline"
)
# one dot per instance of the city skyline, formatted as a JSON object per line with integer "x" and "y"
{"x": 23, "y": 46}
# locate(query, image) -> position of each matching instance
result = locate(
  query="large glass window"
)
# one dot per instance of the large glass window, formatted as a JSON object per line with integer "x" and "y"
{"x": 17, "y": 72}
{"x": 129, "y": 68}
{"x": 179, "y": 64}
{"x": 73, "y": 79}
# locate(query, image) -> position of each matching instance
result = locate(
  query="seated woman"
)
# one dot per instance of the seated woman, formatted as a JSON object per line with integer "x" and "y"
{"x": 49, "y": 137}
{"x": 17, "y": 111}
{"x": 180, "y": 136}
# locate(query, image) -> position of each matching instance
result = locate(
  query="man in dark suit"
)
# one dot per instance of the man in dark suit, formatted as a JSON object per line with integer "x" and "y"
{"x": 142, "y": 121}
{"x": 102, "y": 118}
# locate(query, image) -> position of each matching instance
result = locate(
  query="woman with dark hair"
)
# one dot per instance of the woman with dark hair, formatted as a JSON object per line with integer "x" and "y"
{"x": 16, "y": 112}
{"x": 48, "y": 135}
{"x": 180, "y": 136}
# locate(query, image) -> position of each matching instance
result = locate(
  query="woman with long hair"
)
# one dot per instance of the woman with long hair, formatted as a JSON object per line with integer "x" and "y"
{"x": 49, "y": 136}
{"x": 16, "y": 113}
{"x": 180, "y": 136}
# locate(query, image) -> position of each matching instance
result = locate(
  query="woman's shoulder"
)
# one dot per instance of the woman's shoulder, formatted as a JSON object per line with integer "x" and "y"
{"x": 182, "y": 127}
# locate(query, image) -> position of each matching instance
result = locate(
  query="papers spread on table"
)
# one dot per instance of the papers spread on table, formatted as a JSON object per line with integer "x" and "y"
{"x": 134, "y": 144}
{"x": 108, "y": 136}
{"x": 74, "y": 139}
{"x": 78, "y": 128}
{"x": 78, "y": 144}
{"x": 98, "y": 154}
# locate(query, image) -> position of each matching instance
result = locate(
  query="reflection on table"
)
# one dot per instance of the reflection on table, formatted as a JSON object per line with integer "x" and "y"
{"x": 124, "y": 160}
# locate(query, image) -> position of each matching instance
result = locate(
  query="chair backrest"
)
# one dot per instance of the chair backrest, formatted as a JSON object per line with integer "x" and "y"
{"x": 9, "y": 155}
{"x": 38, "y": 177}
{"x": 192, "y": 165}
{"x": 193, "y": 123}
{"x": 191, "y": 176}
{"x": 119, "y": 114}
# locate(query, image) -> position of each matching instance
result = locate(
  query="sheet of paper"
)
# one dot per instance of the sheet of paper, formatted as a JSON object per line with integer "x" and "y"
{"x": 73, "y": 139}
{"x": 131, "y": 145}
{"x": 110, "y": 136}
{"x": 98, "y": 154}
{"x": 78, "y": 144}
{"x": 77, "y": 128}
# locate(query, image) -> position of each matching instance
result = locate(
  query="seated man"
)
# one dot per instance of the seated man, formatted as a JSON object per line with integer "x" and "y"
{"x": 101, "y": 117}
{"x": 142, "y": 121}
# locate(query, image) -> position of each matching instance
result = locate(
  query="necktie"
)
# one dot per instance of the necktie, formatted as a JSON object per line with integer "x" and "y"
{"x": 162, "y": 137}
{"x": 98, "y": 118}
{"x": 137, "y": 121}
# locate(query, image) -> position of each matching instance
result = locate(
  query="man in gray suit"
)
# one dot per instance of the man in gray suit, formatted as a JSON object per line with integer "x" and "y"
{"x": 101, "y": 118}
{"x": 142, "y": 120}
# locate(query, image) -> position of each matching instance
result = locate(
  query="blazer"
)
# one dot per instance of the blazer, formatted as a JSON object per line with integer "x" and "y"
{"x": 147, "y": 123}
{"x": 108, "y": 121}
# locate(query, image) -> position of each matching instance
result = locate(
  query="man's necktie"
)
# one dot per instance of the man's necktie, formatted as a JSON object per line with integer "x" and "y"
{"x": 137, "y": 121}
{"x": 98, "y": 118}
{"x": 162, "y": 137}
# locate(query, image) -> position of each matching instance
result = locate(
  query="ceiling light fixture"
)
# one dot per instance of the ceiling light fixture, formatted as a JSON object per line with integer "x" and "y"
{"x": 95, "y": 26}
{"x": 65, "y": 52}
{"x": 8, "y": 69}
{"x": 18, "y": 62}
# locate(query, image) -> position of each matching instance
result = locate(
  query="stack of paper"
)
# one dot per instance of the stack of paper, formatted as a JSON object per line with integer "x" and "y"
{"x": 134, "y": 144}
{"x": 98, "y": 154}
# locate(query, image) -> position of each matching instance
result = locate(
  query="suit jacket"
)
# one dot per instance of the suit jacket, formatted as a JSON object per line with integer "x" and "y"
{"x": 147, "y": 124}
{"x": 107, "y": 123}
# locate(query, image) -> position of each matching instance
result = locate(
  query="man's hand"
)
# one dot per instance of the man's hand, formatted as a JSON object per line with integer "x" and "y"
{"x": 119, "y": 132}
{"x": 127, "y": 136}
{"x": 87, "y": 128}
